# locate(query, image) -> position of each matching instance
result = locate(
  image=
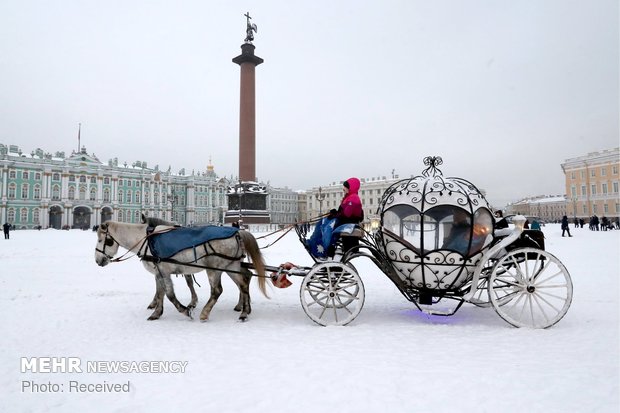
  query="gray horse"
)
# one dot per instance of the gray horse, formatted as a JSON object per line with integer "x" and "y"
{"x": 152, "y": 223}
{"x": 223, "y": 255}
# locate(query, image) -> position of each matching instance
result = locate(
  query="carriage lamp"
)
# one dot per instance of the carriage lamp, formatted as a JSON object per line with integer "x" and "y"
{"x": 519, "y": 221}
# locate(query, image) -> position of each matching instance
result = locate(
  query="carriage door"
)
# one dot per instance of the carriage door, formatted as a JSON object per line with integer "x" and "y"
{"x": 55, "y": 219}
{"x": 81, "y": 217}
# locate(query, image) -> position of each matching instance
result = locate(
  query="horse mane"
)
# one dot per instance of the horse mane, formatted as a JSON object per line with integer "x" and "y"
{"x": 153, "y": 222}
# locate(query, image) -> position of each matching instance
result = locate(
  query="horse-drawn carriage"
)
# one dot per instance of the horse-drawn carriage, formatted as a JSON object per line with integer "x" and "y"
{"x": 436, "y": 242}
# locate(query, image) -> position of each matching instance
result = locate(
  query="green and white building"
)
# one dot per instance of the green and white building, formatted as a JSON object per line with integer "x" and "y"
{"x": 79, "y": 191}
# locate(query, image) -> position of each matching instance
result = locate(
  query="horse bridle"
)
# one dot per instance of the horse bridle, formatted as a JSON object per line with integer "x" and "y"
{"x": 108, "y": 242}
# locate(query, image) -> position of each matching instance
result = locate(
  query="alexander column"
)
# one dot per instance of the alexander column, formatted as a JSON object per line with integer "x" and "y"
{"x": 247, "y": 199}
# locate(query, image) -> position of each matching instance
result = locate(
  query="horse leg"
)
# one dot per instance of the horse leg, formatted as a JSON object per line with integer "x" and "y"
{"x": 190, "y": 283}
{"x": 169, "y": 288}
{"x": 158, "y": 299}
{"x": 153, "y": 303}
{"x": 215, "y": 280}
{"x": 242, "y": 281}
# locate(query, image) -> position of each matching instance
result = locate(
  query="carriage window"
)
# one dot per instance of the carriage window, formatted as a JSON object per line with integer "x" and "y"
{"x": 442, "y": 227}
{"x": 466, "y": 235}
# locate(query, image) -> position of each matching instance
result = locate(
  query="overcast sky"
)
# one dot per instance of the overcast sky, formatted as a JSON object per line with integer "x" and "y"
{"x": 503, "y": 90}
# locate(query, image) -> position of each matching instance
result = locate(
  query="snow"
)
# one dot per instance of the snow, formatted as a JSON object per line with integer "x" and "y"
{"x": 56, "y": 302}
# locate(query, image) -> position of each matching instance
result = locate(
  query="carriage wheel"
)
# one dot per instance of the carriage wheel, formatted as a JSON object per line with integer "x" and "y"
{"x": 530, "y": 288}
{"x": 332, "y": 294}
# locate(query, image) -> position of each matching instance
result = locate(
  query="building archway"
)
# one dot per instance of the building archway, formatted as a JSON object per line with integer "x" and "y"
{"x": 81, "y": 217}
{"x": 106, "y": 214}
{"x": 55, "y": 217}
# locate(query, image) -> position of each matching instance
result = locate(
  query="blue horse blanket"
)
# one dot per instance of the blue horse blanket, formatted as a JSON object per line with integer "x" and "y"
{"x": 169, "y": 243}
{"x": 325, "y": 235}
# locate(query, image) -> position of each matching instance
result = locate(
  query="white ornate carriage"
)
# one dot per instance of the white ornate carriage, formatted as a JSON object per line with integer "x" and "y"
{"x": 437, "y": 240}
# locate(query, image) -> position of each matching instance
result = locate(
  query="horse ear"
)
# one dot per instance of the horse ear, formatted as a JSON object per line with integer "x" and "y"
{"x": 143, "y": 218}
{"x": 103, "y": 226}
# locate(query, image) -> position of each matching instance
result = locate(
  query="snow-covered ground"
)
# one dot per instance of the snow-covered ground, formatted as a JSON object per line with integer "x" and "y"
{"x": 56, "y": 302}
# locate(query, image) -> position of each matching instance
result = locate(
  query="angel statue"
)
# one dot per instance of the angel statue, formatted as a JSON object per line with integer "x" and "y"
{"x": 250, "y": 30}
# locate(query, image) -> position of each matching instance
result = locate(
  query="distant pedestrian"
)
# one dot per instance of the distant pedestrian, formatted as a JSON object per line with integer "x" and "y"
{"x": 7, "y": 228}
{"x": 565, "y": 227}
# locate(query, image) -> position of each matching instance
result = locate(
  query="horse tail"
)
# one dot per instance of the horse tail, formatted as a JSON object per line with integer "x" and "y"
{"x": 253, "y": 250}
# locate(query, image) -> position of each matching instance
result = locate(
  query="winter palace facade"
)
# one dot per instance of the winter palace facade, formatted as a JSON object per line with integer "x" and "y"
{"x": 79, "y": 191}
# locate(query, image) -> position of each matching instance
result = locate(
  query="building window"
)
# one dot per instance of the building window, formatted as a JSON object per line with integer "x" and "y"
{"x": 594, "y": 208}
{"x": 93, "y": 194}
{"x": 106, "y": 195}
{"x": 36, "y": 216}
{"x": 37, "y": 192}
{"x": 593, "y": 189}
{"x": 55, "y": 193}
{"x": 120, "y": 182}
{"x": 156, "y": 198}
{"x": 82, "y": 193}
{"x": 25, "y": 175}
{"x": 137, "y": 194}
{"x": 24, "y": 191}
{"x": 614, "y": 170}
{"x": 583, "y": 190}
{"x": 120, "y": 215}
{"x": 71, "y": 178}
{"x": 615, "y": 186}
{"x": 37, "y": 176}
{"x": 12, "y": 174}
{"x": 71, "y": 192}
{"x": 128, "y": 197}
{"x": 147, "y": 197}
{"x": 592, "y": 173}
{"x": 12, "y": 190}
{"x": 23, "y": 216}
{"x": 106, "y": 181}
{"x": 120, "y": 197}
{"x": 603, "y": 171}
{"x": 606, "y": 208}
{"x": 11, "y": 215}
{"x": 572, "y": 175}
{"x": 573, "y": 191}
{"x": 82, "y": 179}
{"x": 56, "y": 176}
{"x": 136, "y": 216}
{"x": 604, "y": 189}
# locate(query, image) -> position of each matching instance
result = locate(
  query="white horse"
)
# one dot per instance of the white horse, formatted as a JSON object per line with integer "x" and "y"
{"x": 220, "y": 255}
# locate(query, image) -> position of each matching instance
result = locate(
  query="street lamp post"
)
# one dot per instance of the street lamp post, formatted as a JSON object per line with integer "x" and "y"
{"x": 575, "y": 208}
{"x": 320, "y": 197}
{"x": 171, "y": 198}
{"x": 240, "y": 192}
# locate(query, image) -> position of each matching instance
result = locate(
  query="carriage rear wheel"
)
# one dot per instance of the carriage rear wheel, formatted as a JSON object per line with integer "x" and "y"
{"x": 332, "y": 293}
{"x": 530, "y": 287}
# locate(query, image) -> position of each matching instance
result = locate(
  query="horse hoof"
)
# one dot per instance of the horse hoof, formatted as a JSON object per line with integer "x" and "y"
{"x": 151, "y": 318}
{"x": 243, "y": 318}
{"x": 237, "y": 308}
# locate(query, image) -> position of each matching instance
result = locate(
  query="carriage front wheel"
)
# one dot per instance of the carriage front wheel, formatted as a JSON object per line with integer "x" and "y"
{"x": 332, "y": 293}
{"x": 530, "y": 287}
